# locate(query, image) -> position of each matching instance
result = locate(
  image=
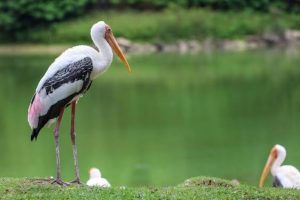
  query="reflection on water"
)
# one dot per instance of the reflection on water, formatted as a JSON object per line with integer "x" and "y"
{"x": 174, "y": 118}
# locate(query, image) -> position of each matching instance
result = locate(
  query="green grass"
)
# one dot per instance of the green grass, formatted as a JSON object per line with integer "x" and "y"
{"x": 196, "y": 188}
{"x": 169, "y": 25}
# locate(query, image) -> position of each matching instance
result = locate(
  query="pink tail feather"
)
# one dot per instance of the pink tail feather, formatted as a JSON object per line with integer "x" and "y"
{"x": 34, "y": 111}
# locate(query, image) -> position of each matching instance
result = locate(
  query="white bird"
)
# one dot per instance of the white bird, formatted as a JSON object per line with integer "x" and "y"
{"x": 66, "y": 80}
{"x": 96, "y": 179}
{"x": 285, "y": 176}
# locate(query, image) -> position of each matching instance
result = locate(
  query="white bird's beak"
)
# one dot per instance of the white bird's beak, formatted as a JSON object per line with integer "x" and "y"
{"x": 271, "y": 158}
{"x": 115, "y": 47}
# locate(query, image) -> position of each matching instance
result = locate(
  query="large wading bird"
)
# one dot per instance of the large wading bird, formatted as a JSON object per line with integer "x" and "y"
{"x": 66, "y": 80}
{"x": 285, "y": 176}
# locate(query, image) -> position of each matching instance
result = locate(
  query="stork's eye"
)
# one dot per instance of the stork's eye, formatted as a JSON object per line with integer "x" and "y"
{"x": 107, "y": 29}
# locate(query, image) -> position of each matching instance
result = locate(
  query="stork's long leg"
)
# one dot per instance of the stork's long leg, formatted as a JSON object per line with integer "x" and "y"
{"x": 56, "y": 136}
{"x": 73, "y": 139}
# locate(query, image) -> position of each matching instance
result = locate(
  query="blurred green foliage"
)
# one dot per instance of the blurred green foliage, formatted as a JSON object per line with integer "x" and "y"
{"x": 16, "y": 16}
{"x": 146, "y": 4}
{"x": 257, "y": 5}
{"x": 167, "y": 26}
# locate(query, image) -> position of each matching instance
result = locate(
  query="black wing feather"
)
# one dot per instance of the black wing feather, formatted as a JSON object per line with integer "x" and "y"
{"x": 79, "y": 70}
{"x": 276, "y": 182}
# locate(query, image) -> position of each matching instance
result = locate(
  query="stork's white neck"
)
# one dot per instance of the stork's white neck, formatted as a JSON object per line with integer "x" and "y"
{"x": 105, "y": 55}
{"x": 277, "y": 162}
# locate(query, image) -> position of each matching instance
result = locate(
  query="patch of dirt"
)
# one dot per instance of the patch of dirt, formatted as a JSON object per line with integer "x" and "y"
{"x": 210, "y": 182}
{"x": 41, "y": 181}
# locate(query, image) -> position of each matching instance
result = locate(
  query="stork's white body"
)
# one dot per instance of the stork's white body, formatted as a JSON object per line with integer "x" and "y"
{"x": 101, "y": 62}
{"x": 288, "y": 175}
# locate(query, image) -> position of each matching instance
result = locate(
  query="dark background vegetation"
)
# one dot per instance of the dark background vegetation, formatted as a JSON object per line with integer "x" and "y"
{"x": 17, "y": 17}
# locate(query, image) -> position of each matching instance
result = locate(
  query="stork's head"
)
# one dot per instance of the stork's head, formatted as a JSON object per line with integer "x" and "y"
{"x": 94, "y": 173}
{"x": 277, "y": 152}
{"x": 100, "y": 31}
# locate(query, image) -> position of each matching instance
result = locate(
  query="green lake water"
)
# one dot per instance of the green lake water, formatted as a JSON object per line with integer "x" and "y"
{"x": 175, "y": 117}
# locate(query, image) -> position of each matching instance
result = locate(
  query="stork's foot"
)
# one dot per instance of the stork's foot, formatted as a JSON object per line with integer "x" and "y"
{"x": 58, "y": 181}
{"x": 76, "y": 181}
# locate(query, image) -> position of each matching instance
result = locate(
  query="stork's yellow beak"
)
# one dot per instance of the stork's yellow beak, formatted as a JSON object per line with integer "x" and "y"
{"x": 271, "y": 158}
{"x": 116, "y": 48}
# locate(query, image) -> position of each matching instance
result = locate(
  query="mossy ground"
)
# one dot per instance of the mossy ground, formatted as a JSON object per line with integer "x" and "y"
{"x": 195, "y": 188}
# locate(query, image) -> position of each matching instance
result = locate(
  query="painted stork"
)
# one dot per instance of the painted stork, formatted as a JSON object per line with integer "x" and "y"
{"x": 285, "y": 176}
{"x": 96, "y": 179}
{"x": 66, "y": 80}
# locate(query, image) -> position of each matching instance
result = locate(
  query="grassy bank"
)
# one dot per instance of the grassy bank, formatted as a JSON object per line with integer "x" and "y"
{"x": 196, "y": 188}
{"x": 169, "y": 25}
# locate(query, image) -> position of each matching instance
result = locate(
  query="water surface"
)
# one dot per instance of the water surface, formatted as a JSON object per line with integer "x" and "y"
{"x": 175, "y": 117}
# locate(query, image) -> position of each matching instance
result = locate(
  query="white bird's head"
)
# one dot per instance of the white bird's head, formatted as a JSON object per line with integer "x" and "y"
{"x": 100, "y": 31}
{"x": 281, "y": 152}
{"x": 94, "y": 173}
{"x": 277, "y": 152}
